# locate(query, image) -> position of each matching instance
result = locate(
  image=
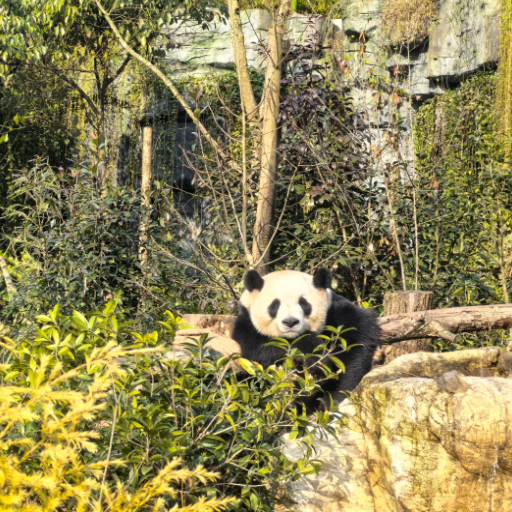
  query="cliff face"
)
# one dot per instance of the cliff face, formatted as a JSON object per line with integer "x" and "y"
{"x": 464, "y": 36}
{"x": 461, "y": 38}
{"x": 194, "y": 51}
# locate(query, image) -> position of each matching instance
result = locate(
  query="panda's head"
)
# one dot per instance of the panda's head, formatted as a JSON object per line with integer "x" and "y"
{"x": 287, "y": 303}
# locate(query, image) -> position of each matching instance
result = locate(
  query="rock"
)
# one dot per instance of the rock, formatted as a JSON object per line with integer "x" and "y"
{"x": 361, "y": 15}
{"x": 425, "y": 433}
{"x": 218, "y": 345}
{"x": 465, "y": 38}
{"x": 190, "y": 50}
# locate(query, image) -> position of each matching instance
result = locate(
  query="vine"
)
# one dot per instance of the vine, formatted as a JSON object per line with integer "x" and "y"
{"x": 504, "y": 87}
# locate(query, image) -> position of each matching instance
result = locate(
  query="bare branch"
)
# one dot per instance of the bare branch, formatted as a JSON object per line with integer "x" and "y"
{"x": 75, "y": 86}
{"x": 167, "y": 82}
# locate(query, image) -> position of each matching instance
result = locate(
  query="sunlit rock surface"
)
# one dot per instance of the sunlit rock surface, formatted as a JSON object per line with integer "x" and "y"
{"x": 462, "y": 39}
{"x": 426, "y": 433}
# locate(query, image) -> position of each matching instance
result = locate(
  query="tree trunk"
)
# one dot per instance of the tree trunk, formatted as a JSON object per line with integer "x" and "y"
{"x": 244, "y": 80}
{"x": 219, "y": 324}
{"x": 444, "y": 323}
{"x": 268, "y": 171}
{"x": 145, "y": 190}
{"x": 404, "y": 302}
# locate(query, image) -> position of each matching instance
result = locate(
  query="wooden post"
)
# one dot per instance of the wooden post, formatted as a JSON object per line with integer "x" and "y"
{"x": 145, "y": 191}
{"x": 404, "y": 302}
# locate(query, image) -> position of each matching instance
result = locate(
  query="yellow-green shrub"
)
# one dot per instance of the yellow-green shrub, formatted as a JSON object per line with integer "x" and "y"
{"x": 94, "y": 417}
{"x": 45, "y": 442}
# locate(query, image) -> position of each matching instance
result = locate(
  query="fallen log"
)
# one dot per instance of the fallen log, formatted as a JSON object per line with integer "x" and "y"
{"x": 444, "y": 323}
{"x": 434, "y": 323}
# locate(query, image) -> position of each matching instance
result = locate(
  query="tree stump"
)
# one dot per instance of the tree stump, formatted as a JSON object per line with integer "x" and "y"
{"x": 404, "y": 302}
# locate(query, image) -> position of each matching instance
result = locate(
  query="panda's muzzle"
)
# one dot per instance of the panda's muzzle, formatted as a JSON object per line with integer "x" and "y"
{"x": 290, "y": 322}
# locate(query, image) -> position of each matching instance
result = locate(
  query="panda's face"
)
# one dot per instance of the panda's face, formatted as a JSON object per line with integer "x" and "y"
{"x": 286, "y": 304}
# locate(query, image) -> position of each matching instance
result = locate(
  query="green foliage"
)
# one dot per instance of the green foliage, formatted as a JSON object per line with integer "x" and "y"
{"x": 146, "y": 409}
{"x": 58, "y": 64}
{"x": 323, "y": 7}
{"x": 465, "y": 203}
{"x": 64, "y": 29}
{"x": 51, "y": 453}
{"x": 75, "y": 240}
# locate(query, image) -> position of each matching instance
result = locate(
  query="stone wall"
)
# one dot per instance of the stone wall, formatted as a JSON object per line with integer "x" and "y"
{"x": 463, "y": 38}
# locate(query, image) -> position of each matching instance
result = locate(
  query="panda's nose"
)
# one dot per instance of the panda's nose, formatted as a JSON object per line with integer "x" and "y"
{"x": 290, "y": 322}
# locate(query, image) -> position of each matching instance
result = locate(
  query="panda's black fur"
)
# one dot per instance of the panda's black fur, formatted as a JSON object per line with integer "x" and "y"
{"x": 362, "y": 330}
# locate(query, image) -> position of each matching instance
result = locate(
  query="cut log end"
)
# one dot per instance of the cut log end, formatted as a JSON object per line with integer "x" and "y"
{"x": 402, "y": 303}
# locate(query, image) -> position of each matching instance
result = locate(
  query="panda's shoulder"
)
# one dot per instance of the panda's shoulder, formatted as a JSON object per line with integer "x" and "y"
{"x": 243, "y": 319}
{"x": 340, "y": 302}
{"x": 342, "y": 308}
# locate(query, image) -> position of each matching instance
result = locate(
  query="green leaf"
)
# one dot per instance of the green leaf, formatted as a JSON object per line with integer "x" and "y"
{"x": 11, "y": 376}
{"x": 338, "y": 363}
{"x": 79, "y": 320}
{"x": 43, "y": 318}
{"x": 247, "y": 365}
{"x": 308, "y": 470}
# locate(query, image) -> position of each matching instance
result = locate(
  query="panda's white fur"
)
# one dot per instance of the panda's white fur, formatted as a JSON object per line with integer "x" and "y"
{"x": 288, "y": 286}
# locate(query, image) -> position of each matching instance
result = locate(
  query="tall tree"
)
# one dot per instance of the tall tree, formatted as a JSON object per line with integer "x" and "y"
{"x": 268, "y": 161}
{"x": 262, "y": 119}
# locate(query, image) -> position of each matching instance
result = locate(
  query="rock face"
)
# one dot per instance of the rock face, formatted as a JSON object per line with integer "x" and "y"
{"x": 426, "y": 433}
{"x": 194, "y": 51}
{"x": 463, "y": 38}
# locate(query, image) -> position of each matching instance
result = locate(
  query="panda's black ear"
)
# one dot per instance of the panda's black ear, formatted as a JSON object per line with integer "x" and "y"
{"x": 253, "y": 281}
{"x": 322, "y": 278}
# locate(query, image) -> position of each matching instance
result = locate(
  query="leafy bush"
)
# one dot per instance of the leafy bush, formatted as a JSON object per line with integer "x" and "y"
{"x": 465, "y": 203}
{"x": 48, "y": 451}
{"x": 79, "y": 237}
{"x": 95, "y": 413}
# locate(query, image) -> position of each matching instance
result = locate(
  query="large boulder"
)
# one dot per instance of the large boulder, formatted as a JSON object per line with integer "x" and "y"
{"x": 426, "y": 433}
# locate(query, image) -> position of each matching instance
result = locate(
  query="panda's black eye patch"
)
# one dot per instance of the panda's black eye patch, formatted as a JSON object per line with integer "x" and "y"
{"x": 306, "y": 306}
{"x": 274, "y": 308}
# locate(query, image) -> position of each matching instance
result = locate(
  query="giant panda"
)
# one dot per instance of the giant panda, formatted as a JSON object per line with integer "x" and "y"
{"x": 288, "y": 304}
